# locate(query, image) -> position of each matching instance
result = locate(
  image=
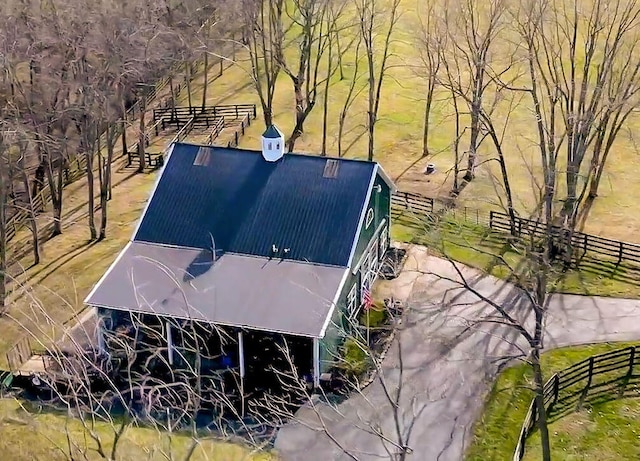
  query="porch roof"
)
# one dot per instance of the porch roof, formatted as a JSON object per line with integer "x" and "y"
{"x": 237, "y": 290}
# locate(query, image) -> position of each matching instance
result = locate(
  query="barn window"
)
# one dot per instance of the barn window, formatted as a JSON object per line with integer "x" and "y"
{"x": 369, "y": 220}
{"x": 270, "y": 146}
{"x": 384, "y": 241}
{"x": 352, "y": 301}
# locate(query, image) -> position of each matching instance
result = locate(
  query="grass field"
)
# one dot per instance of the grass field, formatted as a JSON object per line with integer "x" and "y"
{"x": 43, "y": 437}
{"x": 44, "y": 296}
{"x": 399, "y": 134}
{"x": 605, "y": 432}
{"x": 476, "y": 246}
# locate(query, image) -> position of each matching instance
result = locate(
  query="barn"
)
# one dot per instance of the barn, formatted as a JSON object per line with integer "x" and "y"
{"x": 256, "y": 243}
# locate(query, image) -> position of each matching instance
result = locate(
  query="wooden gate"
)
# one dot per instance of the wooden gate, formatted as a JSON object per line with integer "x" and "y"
{"x": 19, "y": 354}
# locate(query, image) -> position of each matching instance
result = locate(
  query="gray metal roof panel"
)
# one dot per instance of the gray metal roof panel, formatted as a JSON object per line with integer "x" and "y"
{"x": 238, "y": 290}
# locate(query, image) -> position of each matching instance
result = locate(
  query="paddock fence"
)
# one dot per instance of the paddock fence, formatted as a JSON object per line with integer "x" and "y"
{"x": 600, "y": 378}
{"x": 581, "y": 243}
{"x": 77, "y": 168}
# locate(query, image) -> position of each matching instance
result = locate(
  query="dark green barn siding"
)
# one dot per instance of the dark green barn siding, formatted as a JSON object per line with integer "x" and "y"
{"x": 381, "y": 203}
{"x": 338, "y": 328}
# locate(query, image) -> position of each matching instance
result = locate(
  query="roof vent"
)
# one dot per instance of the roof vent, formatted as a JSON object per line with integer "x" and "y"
{"x": 331, "y": 169}
{"x": 272, "y": 144}
{"x": 202, "y": 157}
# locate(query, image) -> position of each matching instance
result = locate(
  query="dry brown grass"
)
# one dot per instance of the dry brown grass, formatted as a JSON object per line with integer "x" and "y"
{"x": 43, "y": 437}
{"x": 399, "y": 137}
{"x": 46, "y": 296}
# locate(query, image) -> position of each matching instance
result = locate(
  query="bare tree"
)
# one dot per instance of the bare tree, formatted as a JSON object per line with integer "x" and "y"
{"x": 335, "y": 52}
{"x": 352, "y": 93}
{"x": 583, "y": 80}
{"x": 316, "y": 22}
{"x": 373, "y": 17}
{"x": 263, "y": 36}
{"x": 469, "y": 61}
{"x": 3, "y": 222}
{"x": 431, "y": 42}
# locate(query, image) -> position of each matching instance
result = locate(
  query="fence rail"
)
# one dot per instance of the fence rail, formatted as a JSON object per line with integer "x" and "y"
{"x": 78, "y": 167}
{"x": 237, "y": 111}
{"x": 245, "y": 121}
{"x": 601, "y": 375}
{"x": 581, "y": 243}
{"x": 216, "y": 130}
{"x": 587, "y": 243}
{"x": 414, "y": 202}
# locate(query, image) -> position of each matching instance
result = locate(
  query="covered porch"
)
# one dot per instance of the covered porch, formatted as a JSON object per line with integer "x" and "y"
{"x": 218, "y": 311}
{"x": 241, "y": 361}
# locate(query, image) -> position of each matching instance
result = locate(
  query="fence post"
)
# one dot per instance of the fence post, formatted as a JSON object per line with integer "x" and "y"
{"x": 586, "y": 244}
{"x": 491, "y": 219}
{"x": 590, "y": 374}
{"x": 620, "y": 252}
{"x": 556, "y": 389}
{"x": 632, "y": 358}
{"x": 237, "y": 116}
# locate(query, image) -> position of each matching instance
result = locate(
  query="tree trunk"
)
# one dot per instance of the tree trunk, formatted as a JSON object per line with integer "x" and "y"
{"x": 124, "y": 134}
{"x": 187, "y": 66}
{"x": 570, "y": 206}
{"x": 541, "y": 410}
{"x": 141, "y": 137}
{"x": 33, "y": 225}
{"x": 55, "y": 187}
{"x": 301, "y": 115}
{"x": 206, "y": 80}
{"x": 473, "y": 145}
{"x": 173, "y": 92}
{"x": 348, "y": 100}
{"x": 371, "y": 113}
{"x": 505, "y": 176}
{"x": 105, "y": 185}
{"x": 456, "y": 145}
{"x": 427, "y": 116}
{"x": 3, "y": 245}
{"x": 90, "y": 184}
{"x": 325, "y": 103}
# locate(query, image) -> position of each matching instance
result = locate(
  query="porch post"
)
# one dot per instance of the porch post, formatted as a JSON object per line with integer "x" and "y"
{"x": 316, "y": 362}
{"x": 241, "y": 364}
{"x": 169, "y": 343}
{"x": 102, "y": 347}
{"x": 241, "y": 353}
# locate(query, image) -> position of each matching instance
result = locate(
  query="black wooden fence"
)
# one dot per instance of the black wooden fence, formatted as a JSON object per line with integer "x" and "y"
{"x": 580, "y": 242}
{"x": 599, "y": 378}
{"x": 413, "y": 202}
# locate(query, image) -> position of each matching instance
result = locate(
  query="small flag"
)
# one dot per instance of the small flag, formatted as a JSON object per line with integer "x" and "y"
{"x": 367, "y": 300}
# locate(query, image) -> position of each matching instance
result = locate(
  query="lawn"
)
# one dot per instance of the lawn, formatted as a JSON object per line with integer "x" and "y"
{"x": 604, "y": 432}
{"x": 475, "y": 245}
{"x": 496, "y": 431}
{"x": 45, "y": 296}
{"x": 399, "y": 133}
{"x": 28, "y": 436}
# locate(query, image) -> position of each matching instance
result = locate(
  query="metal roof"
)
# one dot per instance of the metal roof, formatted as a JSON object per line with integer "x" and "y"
{"x": 237, "y": 290}
{"x": 272, "y": 132}
{"x": 238, "y": 202}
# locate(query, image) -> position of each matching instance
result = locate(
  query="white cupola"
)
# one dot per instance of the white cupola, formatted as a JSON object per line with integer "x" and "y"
{"x": 272, "y": 144}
